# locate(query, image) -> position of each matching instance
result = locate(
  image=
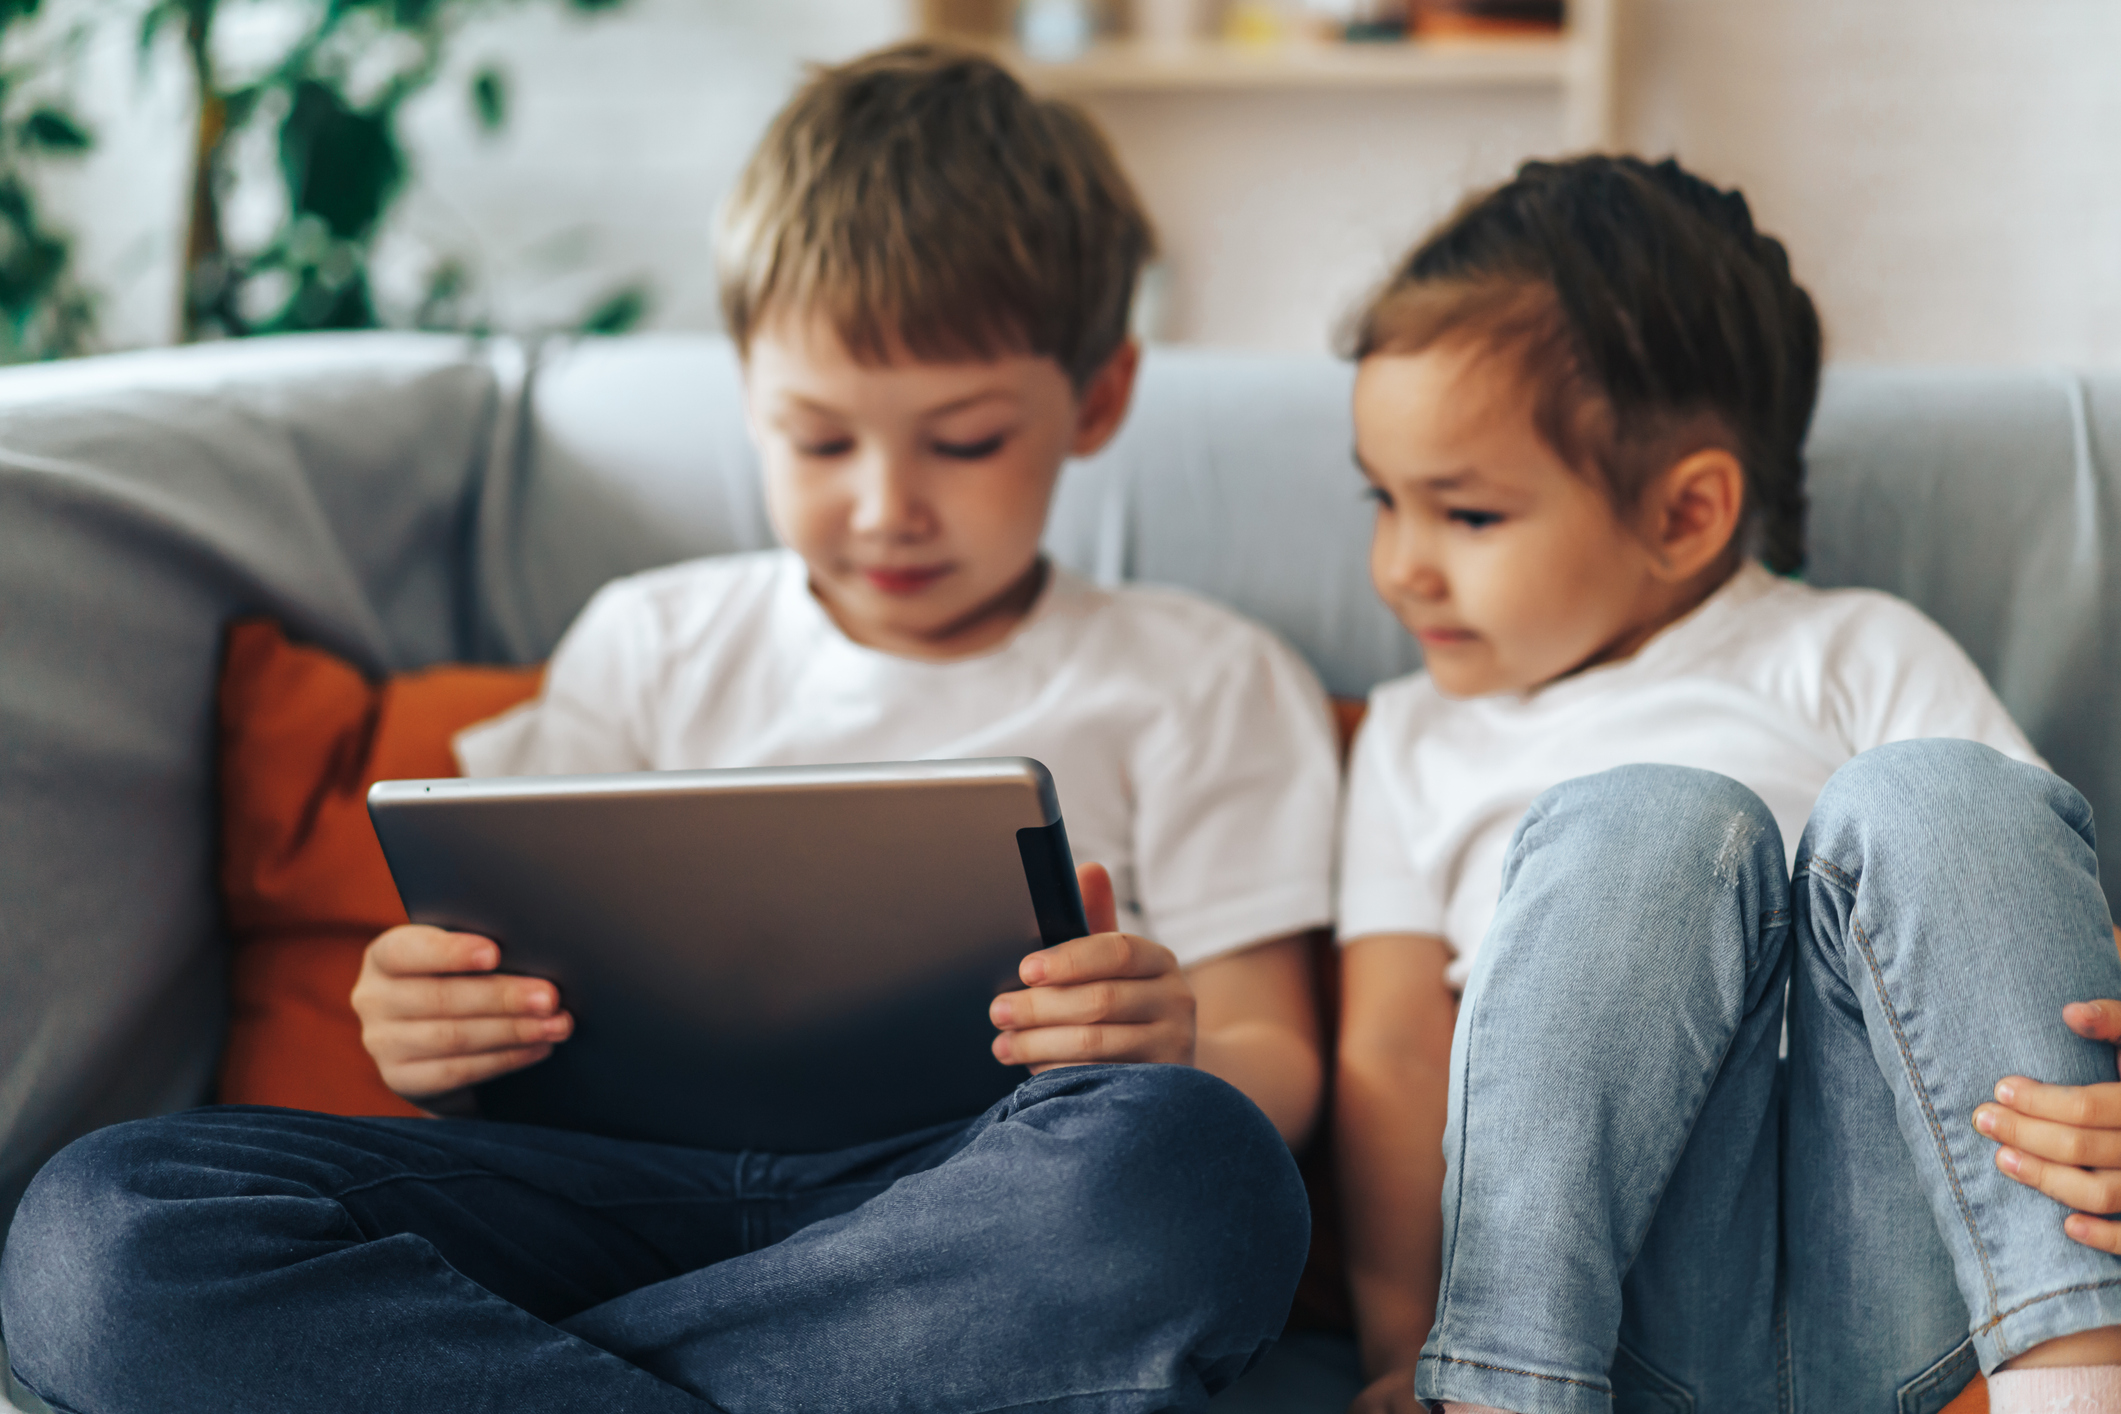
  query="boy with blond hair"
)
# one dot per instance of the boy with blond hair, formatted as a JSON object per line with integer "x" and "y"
{"x": 928, "y": 275}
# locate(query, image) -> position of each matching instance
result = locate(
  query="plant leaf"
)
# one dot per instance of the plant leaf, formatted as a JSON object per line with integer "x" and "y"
{"x": 340, "y": 165}
{"x": 489, "y": 98}
{"x": 620, "y": 311}
{"x": 54, "y": 131}
{"x": 151, "y": 21}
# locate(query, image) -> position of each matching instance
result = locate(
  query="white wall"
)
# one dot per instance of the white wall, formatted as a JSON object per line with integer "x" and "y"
{"x": 627, "y": 129}
{"x": 1946, "y": 172}
{"x": 1278, "y": 211}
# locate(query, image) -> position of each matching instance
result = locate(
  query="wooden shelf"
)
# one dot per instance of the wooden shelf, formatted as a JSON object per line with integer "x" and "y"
{"x": 1578, "y": 63}
{"x": 1134, "y": 66}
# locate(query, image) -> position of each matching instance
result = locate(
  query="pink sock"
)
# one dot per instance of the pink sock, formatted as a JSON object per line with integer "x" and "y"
{"x": 2056, "y": 1389}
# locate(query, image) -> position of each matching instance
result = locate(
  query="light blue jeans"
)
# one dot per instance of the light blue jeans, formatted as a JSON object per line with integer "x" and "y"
{"x": 1644, "y": 1211}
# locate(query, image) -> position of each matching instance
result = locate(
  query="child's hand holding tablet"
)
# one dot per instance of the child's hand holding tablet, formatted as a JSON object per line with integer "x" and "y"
{"x": 439, "y": 1018}
{"x": 1109, "y": 996}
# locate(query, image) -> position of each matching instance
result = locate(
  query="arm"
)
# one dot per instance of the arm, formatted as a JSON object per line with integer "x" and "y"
{"x": 1256, "y": 1023}
{"x": 1111, "y": 996}
{"x": 1391, "y": 1087}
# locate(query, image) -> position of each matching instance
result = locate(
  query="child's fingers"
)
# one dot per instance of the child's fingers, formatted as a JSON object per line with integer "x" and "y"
{"x": 1097, "y": 956}
{"x": 385, "y": 998}
{"x": 2086, "y": 1190}
{"x": 417, "y": 1080}
{"x": 2092, "y": 1106}
{"x": 1109, "y": 999}
{"x": 408, "y": 1041}
{"x": 2097, "y": 1020}
{"x": 2046, "y": 1139}
{"x": 416, "y": 950}
{"x": 2093, "y": 1232}
{"x": 1043, "y": 1047}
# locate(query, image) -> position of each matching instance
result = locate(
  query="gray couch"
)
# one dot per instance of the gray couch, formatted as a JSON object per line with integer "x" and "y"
{"x": 410, "y": 499}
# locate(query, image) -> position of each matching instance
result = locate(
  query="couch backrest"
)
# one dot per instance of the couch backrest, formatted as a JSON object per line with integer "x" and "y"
{"x": 144, "y": 501}
{"x": 406, "y": 499}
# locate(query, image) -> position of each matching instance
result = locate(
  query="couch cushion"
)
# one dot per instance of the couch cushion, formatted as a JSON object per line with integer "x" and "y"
{"x": 303, "y": 736}
{"x": 1990, "y": 499}
{"x": 145, "y": 500}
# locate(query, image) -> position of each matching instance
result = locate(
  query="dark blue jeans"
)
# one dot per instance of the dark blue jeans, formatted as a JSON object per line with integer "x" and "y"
{"x": 1108, "y": 1238}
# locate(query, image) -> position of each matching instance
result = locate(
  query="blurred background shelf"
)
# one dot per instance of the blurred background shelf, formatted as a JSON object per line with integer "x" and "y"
{"x": 1147, "y": 66}
{"x": 1576, "y": 62}
{"x": 567, "y": 151}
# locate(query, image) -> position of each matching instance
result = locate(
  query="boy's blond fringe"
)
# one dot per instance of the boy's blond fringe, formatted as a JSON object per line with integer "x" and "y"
{"x": 922, "y": 202}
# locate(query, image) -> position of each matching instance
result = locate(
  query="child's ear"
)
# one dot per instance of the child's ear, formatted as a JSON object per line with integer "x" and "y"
{"x": 1699, "y": 504}
{"x": 1102, "y": 405}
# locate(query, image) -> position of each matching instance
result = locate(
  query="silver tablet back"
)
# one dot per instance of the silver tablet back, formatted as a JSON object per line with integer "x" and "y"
{"x": 787, "y": 959}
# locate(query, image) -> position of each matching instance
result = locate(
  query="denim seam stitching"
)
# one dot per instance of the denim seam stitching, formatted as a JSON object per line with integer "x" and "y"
{"x": 1941, "y": 1372}
{"x": 2003, "y": 1316}
{"x": 1929, "y": 1108}
{"x": 1513, "y": 1370}
{"x": 1836, "y": 873}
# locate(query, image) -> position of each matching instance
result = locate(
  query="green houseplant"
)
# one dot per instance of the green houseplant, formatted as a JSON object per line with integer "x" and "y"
{"x": 45, "y": 312}
{"x": 339, "y": 157}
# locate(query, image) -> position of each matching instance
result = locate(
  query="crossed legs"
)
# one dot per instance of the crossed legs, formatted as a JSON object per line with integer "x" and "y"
{"x": 1110, "y": 1238}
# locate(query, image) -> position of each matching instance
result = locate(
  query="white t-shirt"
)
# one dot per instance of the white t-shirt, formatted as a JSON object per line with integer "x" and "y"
{"x": 1770, "y": 682}
{"x": 1192, "y": 749}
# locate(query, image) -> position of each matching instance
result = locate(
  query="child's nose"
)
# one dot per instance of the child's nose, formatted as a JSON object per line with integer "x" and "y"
{"x": 1413, "y": 570}
{"x": 1425, "y": 582}
{"x": 886, "y": 500}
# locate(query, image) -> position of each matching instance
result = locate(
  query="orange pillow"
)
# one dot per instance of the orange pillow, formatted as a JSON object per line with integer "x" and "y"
{"x": 302, "y": 737}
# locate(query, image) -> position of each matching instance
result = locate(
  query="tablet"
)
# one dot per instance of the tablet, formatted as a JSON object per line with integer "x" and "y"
{"x": 788, "y": 959}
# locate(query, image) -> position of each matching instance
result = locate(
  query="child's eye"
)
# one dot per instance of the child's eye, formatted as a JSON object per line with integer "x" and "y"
{"x": 1379, "y": 495}
{"x": 971, "y": 451}
{"x": 1477, "y": 520}
{"x": 831, "y": 447}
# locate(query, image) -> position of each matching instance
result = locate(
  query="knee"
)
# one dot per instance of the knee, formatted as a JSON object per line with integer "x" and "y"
{"x": 1182, "y": 1184}
{"x": 1640, "y": 825}
{"x": 76, "y": 1242}
{"x": 1943, "y": 778}
{"x": 1651, "y": 800}
{"x": 1961, "y": 826}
